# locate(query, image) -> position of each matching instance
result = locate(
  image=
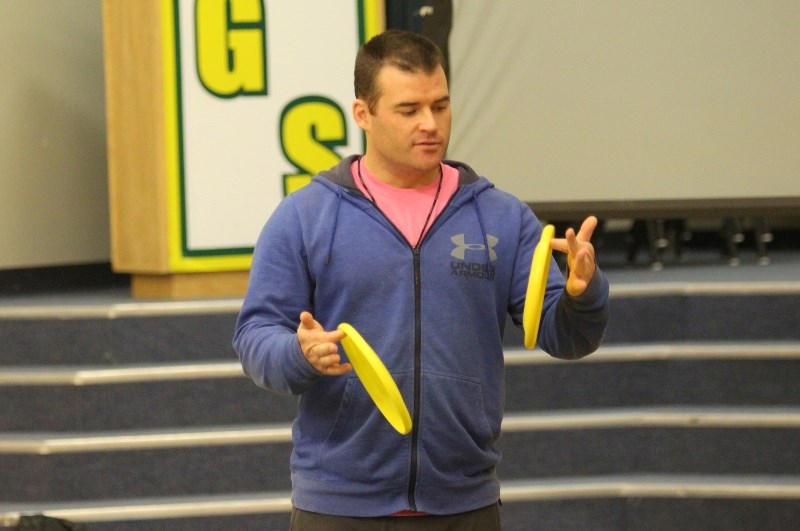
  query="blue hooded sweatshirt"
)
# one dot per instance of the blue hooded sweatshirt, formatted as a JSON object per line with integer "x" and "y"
{"x": 435, "y": 315}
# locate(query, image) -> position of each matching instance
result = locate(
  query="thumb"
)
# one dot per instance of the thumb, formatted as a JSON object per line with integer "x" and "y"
{"x": 307, "y": 321}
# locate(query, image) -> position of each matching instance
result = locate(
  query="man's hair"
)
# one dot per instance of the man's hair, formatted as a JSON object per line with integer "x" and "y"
{"x": 410, "y": 52}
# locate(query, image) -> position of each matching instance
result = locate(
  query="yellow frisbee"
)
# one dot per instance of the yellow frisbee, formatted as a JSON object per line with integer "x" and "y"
{"x": 376, "y": 379}
{"x": 537, "y": 283}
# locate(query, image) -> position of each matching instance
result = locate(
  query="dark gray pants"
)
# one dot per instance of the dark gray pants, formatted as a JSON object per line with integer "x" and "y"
{"x": 486, "y": 519}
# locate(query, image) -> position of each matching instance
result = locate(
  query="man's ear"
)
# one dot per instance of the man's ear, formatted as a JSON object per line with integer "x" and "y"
{"x": 361, "y": 113}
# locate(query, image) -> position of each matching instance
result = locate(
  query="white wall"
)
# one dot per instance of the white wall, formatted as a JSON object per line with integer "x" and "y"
{"x": 716, "y": 115}
{"x": 569, "y": 100}
{"x": 53, "y": 175}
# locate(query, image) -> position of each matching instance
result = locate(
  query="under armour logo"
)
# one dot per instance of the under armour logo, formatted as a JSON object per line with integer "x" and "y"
{"x": 461, "y": 246}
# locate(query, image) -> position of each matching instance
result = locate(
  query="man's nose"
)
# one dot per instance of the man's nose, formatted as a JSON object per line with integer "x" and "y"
{"x": 428, "y": 121}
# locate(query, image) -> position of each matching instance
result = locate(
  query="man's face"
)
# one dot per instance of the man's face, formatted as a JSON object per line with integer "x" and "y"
{"x": 409, "y": 129}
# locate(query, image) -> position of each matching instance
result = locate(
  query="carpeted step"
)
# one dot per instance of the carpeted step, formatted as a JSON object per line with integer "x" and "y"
{"x": 145, "y": 473}
{"x": 586, "y": 384}
{"x": 753, "y": 374}
{"x": 584, "y": 453}
{"x": 675, "y": 317}
{"x": 118, "y": 340}
{"x": 527, "y": 455}
{"x": 141, "y": 405}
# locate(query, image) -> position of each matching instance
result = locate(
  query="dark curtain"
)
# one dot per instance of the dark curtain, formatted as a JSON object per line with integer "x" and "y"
{"x": 431, "y": 18}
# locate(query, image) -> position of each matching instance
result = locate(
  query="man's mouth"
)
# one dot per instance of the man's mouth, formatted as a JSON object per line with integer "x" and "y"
{"x": 428, "y": 144}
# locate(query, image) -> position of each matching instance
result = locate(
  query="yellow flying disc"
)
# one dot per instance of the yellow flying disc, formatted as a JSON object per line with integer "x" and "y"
{"x": 537, "y": 283}
{"x": 376, "y": 379}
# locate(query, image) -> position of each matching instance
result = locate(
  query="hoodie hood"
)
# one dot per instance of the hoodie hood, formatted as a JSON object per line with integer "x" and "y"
{"x": 340, "y": 175}
{"x": 339, "y": 179}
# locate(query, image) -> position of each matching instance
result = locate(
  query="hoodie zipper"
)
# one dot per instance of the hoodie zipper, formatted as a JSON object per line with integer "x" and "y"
{"x": 412, "y": 475}
{"x": 416, "y": 253}
{"x": 414, "y": 465}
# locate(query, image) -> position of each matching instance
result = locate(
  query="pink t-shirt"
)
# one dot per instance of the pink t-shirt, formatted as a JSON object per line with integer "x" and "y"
{"x": 408, "y": 208}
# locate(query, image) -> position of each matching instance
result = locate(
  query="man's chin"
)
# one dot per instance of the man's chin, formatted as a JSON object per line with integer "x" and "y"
{"x": 429, "y": 159}
{"x": 428, "y": 167}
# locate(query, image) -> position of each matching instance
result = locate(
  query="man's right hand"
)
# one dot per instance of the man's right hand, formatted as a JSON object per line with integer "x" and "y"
{"x": 321, "y": 348}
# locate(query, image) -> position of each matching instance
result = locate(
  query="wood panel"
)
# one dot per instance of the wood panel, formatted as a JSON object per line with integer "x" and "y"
{"x": 189, "y": 285}
{"x": 136, "y": 141}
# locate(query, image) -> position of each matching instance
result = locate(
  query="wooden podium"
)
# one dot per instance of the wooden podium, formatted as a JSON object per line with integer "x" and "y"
{"x": 145, "y": 109}
{"x": 138, "y": 154}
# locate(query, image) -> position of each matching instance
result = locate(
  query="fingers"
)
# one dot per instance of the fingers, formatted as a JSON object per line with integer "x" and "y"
{"x": 580, "y": 255}
{"x": 312, "y": 330}
{"x": 587, "y": 229}
{"x": 572, "y": 242}
{"x": 307, "y": 322}
{"x": 320, "y": 347}
{"x": 327, "y": 361}
{"x": 559, "y": 245}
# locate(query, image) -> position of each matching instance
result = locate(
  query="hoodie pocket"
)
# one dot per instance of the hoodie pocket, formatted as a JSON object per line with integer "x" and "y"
{"x": 362, "y": 446}
{"x": 456, "y": 437}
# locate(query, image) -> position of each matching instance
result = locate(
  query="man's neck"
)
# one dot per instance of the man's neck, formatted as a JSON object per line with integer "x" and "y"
{"x": 406, "y": 178}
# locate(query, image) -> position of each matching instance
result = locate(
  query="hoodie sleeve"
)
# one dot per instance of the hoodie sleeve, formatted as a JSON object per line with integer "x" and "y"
{"x": 574, "y": 327}
{"x": 570, "y": 327}
{"x": 280, "y": 288}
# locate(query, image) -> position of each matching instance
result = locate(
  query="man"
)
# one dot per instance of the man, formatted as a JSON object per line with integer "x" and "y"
{"x": 425, "y": 259}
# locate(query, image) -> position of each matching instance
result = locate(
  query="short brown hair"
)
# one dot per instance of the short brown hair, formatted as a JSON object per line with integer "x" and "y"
{"x": 410, "y": 52}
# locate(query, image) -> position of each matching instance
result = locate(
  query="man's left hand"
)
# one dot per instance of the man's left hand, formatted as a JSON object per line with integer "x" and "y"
{"x": 580, "y": 255}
